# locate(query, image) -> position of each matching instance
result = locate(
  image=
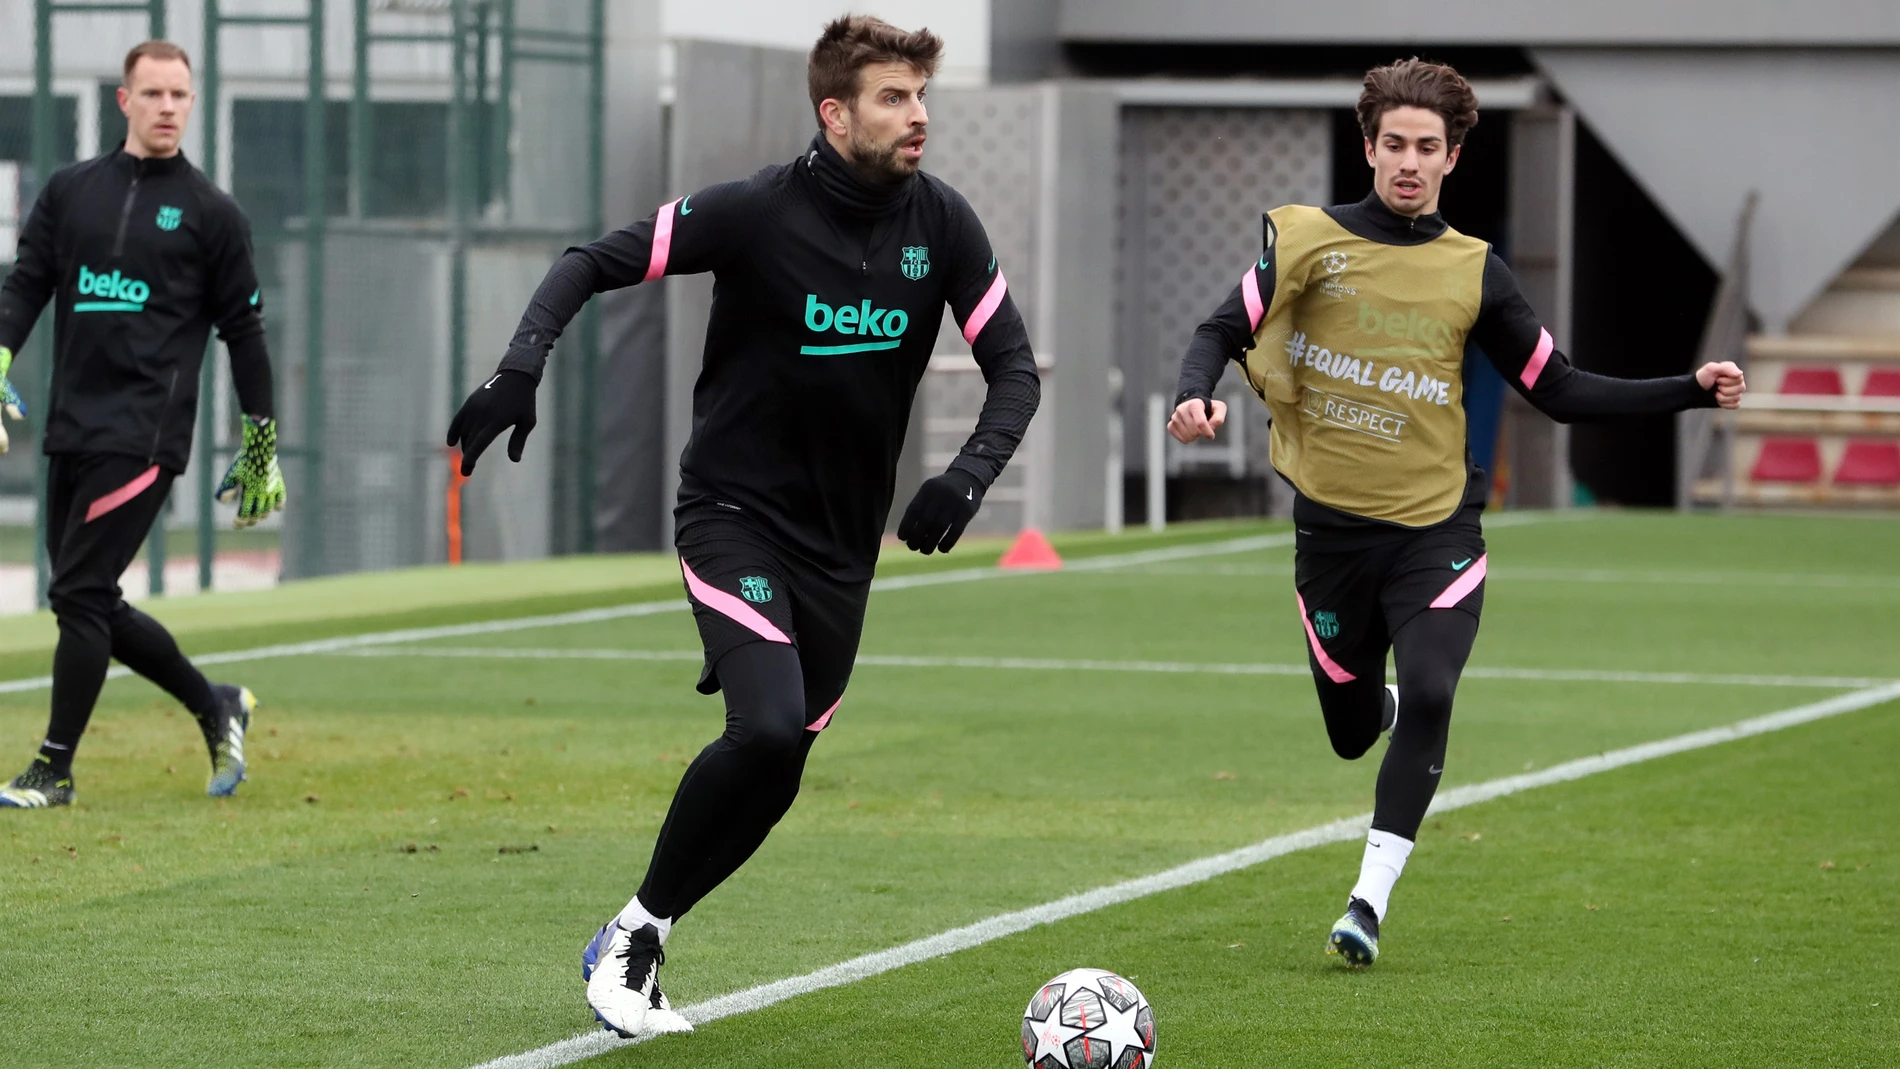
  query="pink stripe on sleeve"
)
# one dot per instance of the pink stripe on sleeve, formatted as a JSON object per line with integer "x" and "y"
{"x": 113, "y": 500}
{"x": 1250, "y": 292}
{"x": 1462, "y": 587}
{"x": 729, "y": 606}
{"x": 985, "y": 308}
{"x": 1538, "y": 359}
{"x": 662, "y": 241}
{"x": 820, "y": 723}
{"x": 1333, "y": 671}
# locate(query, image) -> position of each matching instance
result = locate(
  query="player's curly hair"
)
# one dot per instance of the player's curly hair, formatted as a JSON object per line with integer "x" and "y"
{"x": 1417, "y": 83}
{"x": 851, "y": 43}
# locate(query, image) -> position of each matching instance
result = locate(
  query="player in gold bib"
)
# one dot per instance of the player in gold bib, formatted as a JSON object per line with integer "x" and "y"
{"x": 1352, "y": 328}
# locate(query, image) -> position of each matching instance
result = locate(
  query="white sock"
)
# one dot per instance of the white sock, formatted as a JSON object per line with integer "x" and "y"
{"x": 636, "y": 915}
{"x": 1379, "y": 870}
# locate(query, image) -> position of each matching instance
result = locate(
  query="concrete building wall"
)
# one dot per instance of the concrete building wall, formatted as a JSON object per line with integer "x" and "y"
{"x": 1629, "y": 23}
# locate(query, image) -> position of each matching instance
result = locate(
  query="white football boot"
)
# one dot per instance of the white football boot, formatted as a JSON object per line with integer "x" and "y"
{"x": 621, "y": 968}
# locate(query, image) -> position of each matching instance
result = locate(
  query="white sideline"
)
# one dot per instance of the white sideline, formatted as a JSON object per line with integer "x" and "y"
{"x": 650, "y": 608}
{"x": 589, "y": 1044}
{"x": 1515, "y": 574}
{"x": 1050, "y": 664}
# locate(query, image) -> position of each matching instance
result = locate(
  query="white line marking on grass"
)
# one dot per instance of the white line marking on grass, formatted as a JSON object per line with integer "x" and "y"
{"x": 1049, "y": 664}
{"x": 589, "y": 1044}
{"x": 650, "y": 608}
{"x": 377, "y": 638}
{"x": 1514, "y": 574}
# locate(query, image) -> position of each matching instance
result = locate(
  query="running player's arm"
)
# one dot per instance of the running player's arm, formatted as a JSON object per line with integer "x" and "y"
{"x": 1226, "y": 335}
{"x": 1511, "y": 336}
{"x": 35, "y": 274}
{"x": 237, "y": 308}
{"x": 979, "y": 299}
{"x": 692, "y": 234}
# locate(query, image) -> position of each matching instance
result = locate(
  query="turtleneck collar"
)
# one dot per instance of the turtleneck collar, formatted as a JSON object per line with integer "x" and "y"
{"x": 149, "y": 165}
{"x": 850, "y": 191}
{"x": 1372, "y": 220}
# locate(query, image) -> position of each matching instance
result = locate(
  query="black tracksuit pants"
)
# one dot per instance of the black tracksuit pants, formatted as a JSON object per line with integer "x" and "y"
{"x": 99, "y": 508}
{"x": 1419, "y": 597}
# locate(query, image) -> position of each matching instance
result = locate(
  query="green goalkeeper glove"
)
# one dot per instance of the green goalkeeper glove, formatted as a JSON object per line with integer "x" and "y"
{"x": 254, "y": 481}
{"x": 9, "y": 397}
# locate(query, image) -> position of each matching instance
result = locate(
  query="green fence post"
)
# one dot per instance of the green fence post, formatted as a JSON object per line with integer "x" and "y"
{"x": 314, "y": 192}
{"x": 590, "y": 342}
{"x": 155, "y": 538}
{"x": 208, "y": 379}
{"x": 359, "y": 115}
{"x": 503, "y": 127}
{"x": 42, "y": 169}
{"x": 460, "y": 181}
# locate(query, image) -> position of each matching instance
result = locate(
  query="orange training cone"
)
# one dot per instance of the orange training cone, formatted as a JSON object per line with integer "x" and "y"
{"x": 1031, "y": 552}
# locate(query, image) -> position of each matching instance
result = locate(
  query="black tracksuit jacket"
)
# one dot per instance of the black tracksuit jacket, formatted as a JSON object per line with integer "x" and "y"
{"x": 828, "y": 292}
{"x": 143, "y": 257}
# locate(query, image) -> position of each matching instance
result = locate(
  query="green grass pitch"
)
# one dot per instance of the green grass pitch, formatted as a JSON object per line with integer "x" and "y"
{"x": 432, "y": 833}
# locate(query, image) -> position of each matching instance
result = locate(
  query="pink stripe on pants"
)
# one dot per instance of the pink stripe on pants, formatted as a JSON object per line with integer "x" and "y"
{"x": 1462, "y": 587}
{"x": 731, "y": 607}
{"x": 1333, "y": 671}
{"x": 113, "y": 500}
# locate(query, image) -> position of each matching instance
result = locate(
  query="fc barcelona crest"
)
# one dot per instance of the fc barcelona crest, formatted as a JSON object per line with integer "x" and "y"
{"x": 755, "y": 589}
{"x": 916, "y": 261}
{"x": 169, "y": 218}
{"x": 1326, "y": 625}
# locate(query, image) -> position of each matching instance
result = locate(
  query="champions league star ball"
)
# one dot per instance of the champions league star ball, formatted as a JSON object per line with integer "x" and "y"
{"x": 1089, "y": 1019}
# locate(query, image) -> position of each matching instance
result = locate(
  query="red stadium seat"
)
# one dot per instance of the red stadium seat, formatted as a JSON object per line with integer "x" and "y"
{"x": 1870, "y": 463}
{"x": 1882, "y": 382}
{"x": 1788, "y": 460}
{"x": 1813, "y": 380}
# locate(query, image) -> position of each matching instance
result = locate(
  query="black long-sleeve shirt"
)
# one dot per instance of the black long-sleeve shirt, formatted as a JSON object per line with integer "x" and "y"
{"x": 827, "y": 296}
{"x": 144, "y": 257}
{"x": 1504, "y": 327}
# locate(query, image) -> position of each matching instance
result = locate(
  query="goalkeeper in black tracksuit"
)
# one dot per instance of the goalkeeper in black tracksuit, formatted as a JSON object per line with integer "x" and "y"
{"x": 141, "y": 256}
{"x": 831, "y": 273}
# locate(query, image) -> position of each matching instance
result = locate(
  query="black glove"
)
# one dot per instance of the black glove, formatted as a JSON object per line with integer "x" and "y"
{"x": 941, "y": 510}
{"x": 507, "y": 400}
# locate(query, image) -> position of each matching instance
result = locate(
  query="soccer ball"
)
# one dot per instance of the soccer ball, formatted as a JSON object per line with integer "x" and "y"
{"x": 1089, "y": 1019}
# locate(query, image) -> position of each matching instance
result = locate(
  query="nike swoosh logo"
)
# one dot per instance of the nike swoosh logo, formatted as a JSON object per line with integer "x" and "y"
{"x": 969, "y": 495}
{"x": 1460, "y": 566}
{"x": 490, "y": 384}
{"x": 1436, "y": 769}
{"x": 1263, "y": 262}
{"x": 684, "y": 210}
{"x": 992, "y": 267}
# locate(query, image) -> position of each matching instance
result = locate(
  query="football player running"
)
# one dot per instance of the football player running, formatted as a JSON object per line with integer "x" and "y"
{"x": 1352, "y": 327}
{"x": 830, "y": 277}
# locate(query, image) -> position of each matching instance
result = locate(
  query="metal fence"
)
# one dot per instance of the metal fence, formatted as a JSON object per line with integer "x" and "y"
{"x": 409, "y": 168}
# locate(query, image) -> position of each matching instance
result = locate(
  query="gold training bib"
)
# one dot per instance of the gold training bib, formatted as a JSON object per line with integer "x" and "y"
{"x": 1360, "y": 358}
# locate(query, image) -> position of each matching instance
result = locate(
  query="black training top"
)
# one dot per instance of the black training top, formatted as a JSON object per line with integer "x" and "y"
{"x": 145, "y": 256}
{"x": 828, "y": 291}
{"x": 1500, "y": 322}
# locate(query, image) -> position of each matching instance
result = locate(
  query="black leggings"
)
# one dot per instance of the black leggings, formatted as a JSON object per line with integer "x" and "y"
{"x": 736, "y": 790}
{"x": 99, "y": 510}
{"x": 1430, "y": 651}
